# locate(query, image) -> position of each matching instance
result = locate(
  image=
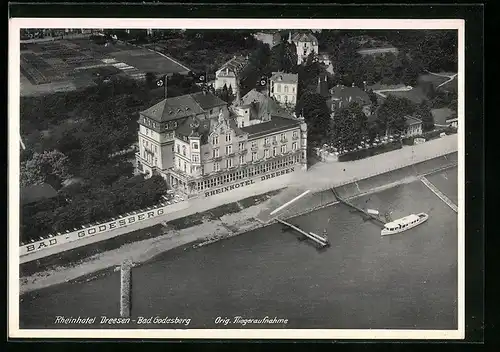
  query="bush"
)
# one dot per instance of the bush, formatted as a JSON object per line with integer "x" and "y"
{"x": 364, "y": 153}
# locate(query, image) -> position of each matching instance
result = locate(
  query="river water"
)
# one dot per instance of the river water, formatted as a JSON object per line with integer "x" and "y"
{"x": 405, "y": 281}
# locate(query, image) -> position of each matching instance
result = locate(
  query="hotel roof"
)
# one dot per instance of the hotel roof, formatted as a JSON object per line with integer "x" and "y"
{"x": 285, "y": 77}
{"x": 276, "y": 124}
{"x": 260, "y": 105}
{"x": 182, "y": 106}
{"x": 410, "y": 120}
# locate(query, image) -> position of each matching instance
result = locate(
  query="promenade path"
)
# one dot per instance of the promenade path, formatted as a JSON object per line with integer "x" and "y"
{"x": 320, "y": 176}
{"x": 323, "y": 176}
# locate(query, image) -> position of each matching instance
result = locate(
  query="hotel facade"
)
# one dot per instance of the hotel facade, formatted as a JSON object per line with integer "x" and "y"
{"x": 202, "y": 147}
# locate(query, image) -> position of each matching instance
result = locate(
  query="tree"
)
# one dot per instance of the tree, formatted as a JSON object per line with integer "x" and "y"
{"x": 391, "y": 114}
{"x": 50, "y": 167}
{"x": 317, "y": 116}
{"x": 349, "y": 126}
{"x": 423, "y": 112}
{"x": 374, "y": 101}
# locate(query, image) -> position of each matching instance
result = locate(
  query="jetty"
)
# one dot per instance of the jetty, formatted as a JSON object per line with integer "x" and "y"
{"x": 356, "y": 208}
{"x": 440, "y": 194}
{"x": 322, "y": 242}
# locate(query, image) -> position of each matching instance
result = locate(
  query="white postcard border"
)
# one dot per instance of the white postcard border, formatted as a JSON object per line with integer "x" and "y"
{"x": 15, "y": 24}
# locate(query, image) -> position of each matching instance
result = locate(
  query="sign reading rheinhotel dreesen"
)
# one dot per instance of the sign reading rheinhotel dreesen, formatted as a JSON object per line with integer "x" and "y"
{"x": 248, "y": 182}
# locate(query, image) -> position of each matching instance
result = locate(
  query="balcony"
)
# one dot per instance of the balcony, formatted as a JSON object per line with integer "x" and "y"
{"x": 217, "y": 158}
{"x": 231, "y": 154}
{"x": 275, "y": 142}
{"x": 295, "y": 138}
{"x": 243, "y": 151}
{"x": 255, "y": 147}
{"x": 267, "y": 144}
{"x": 284, "y": 140}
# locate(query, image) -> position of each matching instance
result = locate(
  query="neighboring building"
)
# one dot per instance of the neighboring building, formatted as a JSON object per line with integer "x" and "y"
{"x": 453, "y": 122}
{"x": 341, "y": 96}
{"x": 378, "y": 51}
{"x": 305, "y": 43}
{"x": 325, "y": 59}
{"x": 158, "y": 124}
{"x": 230, "y": 74}
{"x": 442, "y": 116}
{"x": 270, "y": 38}
{"x": 218, "y": 150}
{"x": 33, "y": 194}
{"x": 283, "y": 88}
{"x": 413, "y": 127}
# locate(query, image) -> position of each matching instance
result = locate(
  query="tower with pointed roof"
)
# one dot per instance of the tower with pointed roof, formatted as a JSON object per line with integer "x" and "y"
{"x": 306, "y": 43}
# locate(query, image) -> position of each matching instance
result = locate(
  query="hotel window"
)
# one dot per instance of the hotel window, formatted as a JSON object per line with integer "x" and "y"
{"x": 295, "y": 134}
{"x": 279, "y": 88}
{"x": 178, "y": 149}
{"x": 242, "y": 159}
{"x": 215, "y": 152}
{"x": 215, "y": 140}
{"x": 179, "y": 163}
{"x": 274, "y": 151}
{"x": 216, "y": 167}
{"x": 283, "y": 137}
{"x": 185, "y": 167}
{"x": 147, "y": 144}
{"x": 196, "y": 158}
{"x": 286, "y": 98}
{"x": 228, "y": 137}
{"x": 229, "y": 149}
{"x": 278, "y": 98}
{"x": 283, "y": 149}
{"x": 242, "y": 146}
{"x": 266, "y": 153}
{"x": 229, "y": 163}
{"x": 254, "y": 156}
{"x": 254, "y": 145}
{"x": 184, "y": 150}
{"x": 195, "y": 145}
{"x": 266, "y": 140}
{"x": 293, "y": 89}
{"x": 286, "y": 89}
{"x": 294, "y": 146}
{"x": 156, "y": 149}
{"x": 275, "y": 139}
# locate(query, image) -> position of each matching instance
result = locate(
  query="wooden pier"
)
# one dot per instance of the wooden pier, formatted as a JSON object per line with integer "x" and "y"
{"x": 371, "y": 216}
{"x": 440, "y": 194}
{"x": 317, "y": 239}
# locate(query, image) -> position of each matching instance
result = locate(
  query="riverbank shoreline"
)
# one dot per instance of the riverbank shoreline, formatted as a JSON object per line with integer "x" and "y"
{"x": 149, "y": 250}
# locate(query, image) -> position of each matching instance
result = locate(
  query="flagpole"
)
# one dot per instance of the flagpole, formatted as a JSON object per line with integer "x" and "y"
{"x": 165, "y": 85}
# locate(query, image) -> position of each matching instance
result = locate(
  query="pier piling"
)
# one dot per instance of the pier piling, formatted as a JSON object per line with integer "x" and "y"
{"x": 125, "y": 288}
{"x": 317, "y": 239}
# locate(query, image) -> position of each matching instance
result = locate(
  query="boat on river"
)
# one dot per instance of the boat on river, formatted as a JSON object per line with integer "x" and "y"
{"x": 403, "y": 224}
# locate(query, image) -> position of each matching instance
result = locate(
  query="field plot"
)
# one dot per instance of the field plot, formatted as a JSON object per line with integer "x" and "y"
{"x": 64, "y": 65}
